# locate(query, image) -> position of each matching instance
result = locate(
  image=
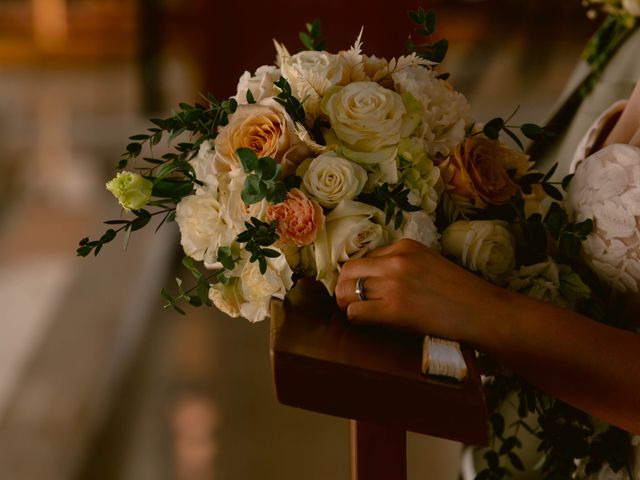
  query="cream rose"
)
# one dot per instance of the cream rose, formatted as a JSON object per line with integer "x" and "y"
{"x": 329, "y": 179}
{"x": 203, "y": 227}
{"x": 299, "y": 219}
{"x": 483, "y": 246}
{"x": 204, "y": 165}
{"x": 351, "y": 230}
{"x": 264, "y": 127}
{"x": 365, "y": 116}
{"x": 260, "y": 84}
{"x": 311, "y": 73}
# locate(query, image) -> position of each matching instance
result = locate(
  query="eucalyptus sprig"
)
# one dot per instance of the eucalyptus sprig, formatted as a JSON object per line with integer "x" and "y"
{"x": 425, "y": 22}
{"x": 313, "y": 39}
{"x": 291, "y": 104}
{"x": 256, "y": 238}
{"x": 200, "y": 289}
{"x": 199, "y": 120}
{"x": 531, "y": 131}
{"x": 262, "y": 180}
{"x": 396, "y": 201}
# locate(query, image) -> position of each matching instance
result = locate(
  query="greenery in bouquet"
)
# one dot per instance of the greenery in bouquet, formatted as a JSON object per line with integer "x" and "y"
{"x": 324, "y": 157}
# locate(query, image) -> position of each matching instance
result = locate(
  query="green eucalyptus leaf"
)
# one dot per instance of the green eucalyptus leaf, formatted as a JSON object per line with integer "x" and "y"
{"x": 248, "y": 159}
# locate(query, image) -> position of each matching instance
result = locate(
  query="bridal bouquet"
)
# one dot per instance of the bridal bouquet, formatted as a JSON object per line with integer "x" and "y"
{"x": 323, "y": 157}
{"x": 316, "y": 160}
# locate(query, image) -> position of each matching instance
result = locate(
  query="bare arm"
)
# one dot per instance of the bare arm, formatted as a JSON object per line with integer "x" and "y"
{"x": 589, "y": 365}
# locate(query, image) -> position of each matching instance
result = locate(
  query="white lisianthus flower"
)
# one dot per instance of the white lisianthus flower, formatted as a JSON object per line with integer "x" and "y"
{"x": 446, "y": 113}
{"x": 632, "y": 6}
{"x": 257, "y": 288}
{"x": 311, "y": 73}
{"x": 260, "y": 84}
{"x": 351, "y": 230}
{"x": 329, "y": 179}
{"x": 485, "y": 246}
{"x": 204, "y": 165}
{"x": 227, "y": 298}
{"x": 203, "y": 227}
{"x": 132, "y": 190}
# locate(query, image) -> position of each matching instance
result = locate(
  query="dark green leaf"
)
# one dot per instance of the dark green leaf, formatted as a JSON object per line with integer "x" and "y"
{"x": 566, "y": 181}
{"x": 552, "y": 191}
{"x": 497, "y": 423}
{"x": 492, "y": 460}
{"x": 250, "y": 99}
{"x": 248, "y": 159}
{"x": 550, "y": 173}
{"x": 515, "y": 461}
{"x": 514, "y": 137}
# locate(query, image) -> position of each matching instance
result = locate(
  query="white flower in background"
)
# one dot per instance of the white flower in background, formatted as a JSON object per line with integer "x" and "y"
{"x": 606, "y": 188}
{"x": 203, "y": 227}
{"x": 227, "y": 298}
{"x": 632, "y": 6}
{"x": 260, "y": 84}
{"x": 446, "y": 113}
{"x": 329, "y": 179}
{"x": 265, "y": 127}
{"x": 485, "y": 246}
{"x": 311, "y": 73}
{"x": 204, "y": 165}
{"x": 351, "y": 230}
{"x": 132, "y": 190}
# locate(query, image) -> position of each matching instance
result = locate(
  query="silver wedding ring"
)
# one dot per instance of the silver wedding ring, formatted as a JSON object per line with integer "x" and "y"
{"x": 360, "y": 289}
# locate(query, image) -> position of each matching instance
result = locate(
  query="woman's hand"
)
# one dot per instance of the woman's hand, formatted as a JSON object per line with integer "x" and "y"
{"x": 411, "y": 287}
{"x": 627, "y": 128}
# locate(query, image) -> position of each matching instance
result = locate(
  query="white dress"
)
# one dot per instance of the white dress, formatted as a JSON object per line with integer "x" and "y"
{"x": 606, "y": 188}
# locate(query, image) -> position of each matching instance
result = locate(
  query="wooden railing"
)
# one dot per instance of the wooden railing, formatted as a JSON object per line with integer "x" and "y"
{"x": 323, "y": 364}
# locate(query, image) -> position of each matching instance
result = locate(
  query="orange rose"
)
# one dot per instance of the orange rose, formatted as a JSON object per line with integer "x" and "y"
{"x": 299, "y": 219}
{"x": 480, "y": 171}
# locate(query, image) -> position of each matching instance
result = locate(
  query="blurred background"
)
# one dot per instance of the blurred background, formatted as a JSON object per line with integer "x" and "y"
{"x": 97, "y": 381}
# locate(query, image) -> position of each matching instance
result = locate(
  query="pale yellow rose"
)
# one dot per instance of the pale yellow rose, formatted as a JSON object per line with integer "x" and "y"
{"x": 264, "y": 127}
{"x": 365, "y": 116}
{"x": 329, "y": 179}
{"x": 485, "y": 246}
{"x": 351, "y": 230}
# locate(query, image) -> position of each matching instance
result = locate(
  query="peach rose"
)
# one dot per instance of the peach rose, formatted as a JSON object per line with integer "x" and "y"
{"x": 479, "y": 171}
{"x": 264, "y": 127}
{"x": 299, "y": 219}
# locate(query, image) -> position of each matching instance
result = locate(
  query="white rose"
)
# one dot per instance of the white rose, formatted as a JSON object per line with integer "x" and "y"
{"x": 203, "y": 227}
{"x": 260, "y": 84}
{"x": 329, "y": 179}
{"x": 257, "y": 288}
{"x": 365, "y": 116}
{"x": 483, "y": 246}
{"x": 632, "y": 6}
{"x": 446, "y": 113}
{"x": 311, "y": 73}
{"x": 351, "y": 230}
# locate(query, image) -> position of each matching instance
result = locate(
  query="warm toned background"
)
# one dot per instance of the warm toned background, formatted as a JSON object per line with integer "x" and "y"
{"x": 96, "y": 380}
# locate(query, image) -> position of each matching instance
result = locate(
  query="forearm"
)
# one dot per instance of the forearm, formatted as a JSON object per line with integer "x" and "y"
{"x": 587, "y": 364}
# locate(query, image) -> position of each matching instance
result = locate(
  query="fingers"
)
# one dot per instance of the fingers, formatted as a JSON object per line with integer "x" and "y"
{"x": 635, "y": 140}
{"x": 346, "y": 290}
{"x": 401, "y": 246}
